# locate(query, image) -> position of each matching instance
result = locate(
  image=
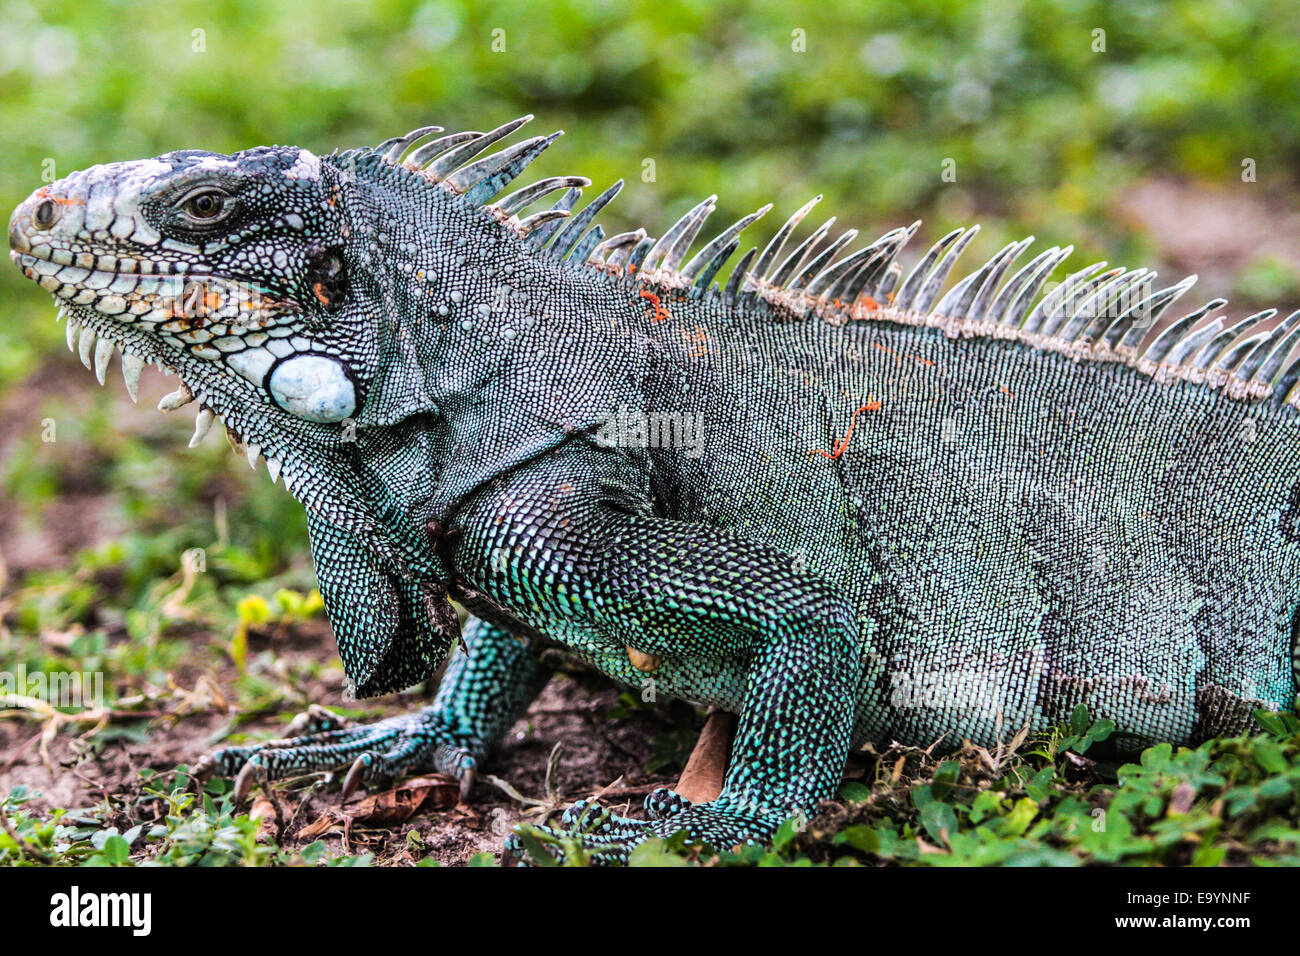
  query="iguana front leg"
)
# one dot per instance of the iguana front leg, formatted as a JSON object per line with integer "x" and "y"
{"x": 481, "y": 695}
{"x": 731, "y": 621}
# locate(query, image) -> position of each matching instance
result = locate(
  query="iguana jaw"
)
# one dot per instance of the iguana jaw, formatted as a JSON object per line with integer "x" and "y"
{"x": 122, "y": 286}
{"x": 97, "y": 337}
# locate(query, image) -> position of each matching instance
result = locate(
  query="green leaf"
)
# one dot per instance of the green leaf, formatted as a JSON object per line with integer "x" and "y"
{"x": 986, "y": 803}
{"x": 786, "y": 833}
{"x": 289, "y": 602}
{"x": 655, "y": 852}
{"x": 1278, "y": 723}
{"x": 1022, "y": 814}
{"x": 1209, "y": 855}
{"x": 1101, "y": 729}
{"x": 944, "y": 778}
{"x": 860, "y": 837}
{"x": 851, "y": 791}
{"x": 116, "y": 851}
{"x": 1039, "y": 787}
{"x": 939, "y": 820}
{"x": 1270, "y": 756}
{"x": 537, "y": 852}
{"x": 1079, "y": 720}
{"x": 253, "y": 610}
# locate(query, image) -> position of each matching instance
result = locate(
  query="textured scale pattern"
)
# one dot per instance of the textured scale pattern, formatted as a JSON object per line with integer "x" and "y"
{"x": 851, "y": 502}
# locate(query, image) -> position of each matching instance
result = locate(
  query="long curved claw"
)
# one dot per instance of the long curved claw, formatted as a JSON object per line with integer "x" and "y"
{"x": 316, "y": 720}
{"x": 467, "y": 778}
{"x": 244, "y": 781}
{"x": 204, "y": 767}
{"x": 360, "y": 767}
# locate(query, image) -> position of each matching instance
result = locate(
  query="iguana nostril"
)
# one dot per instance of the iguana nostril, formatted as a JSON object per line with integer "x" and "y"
{"x": 45, "y": 215}
{"x": 17, "y": 240}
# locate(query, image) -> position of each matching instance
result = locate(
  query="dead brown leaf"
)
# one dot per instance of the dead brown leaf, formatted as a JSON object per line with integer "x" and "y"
{"x": 391, "y": 807}
{"x": 1079, "y": 760}
{"x": 387, "y": 808}
{"x": 266, "y": 814}
{"x": 331, "y": 821}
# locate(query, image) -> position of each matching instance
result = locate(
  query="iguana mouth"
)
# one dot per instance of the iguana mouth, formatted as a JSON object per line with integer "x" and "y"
{"x": 165, "y": 317}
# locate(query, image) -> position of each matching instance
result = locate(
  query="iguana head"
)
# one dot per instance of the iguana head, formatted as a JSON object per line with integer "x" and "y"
{"x": 252, "y": 278}
{"x": 371, "y": 323}
{"x": 227, "y": 270}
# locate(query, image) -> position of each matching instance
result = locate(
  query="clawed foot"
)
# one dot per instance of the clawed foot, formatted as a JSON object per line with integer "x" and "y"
{"x": 605, "y": 838}
{"x": 377, "y": 752}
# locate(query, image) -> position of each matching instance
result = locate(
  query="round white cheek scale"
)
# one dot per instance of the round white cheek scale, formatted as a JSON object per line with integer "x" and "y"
{"x": 313, "y": 387}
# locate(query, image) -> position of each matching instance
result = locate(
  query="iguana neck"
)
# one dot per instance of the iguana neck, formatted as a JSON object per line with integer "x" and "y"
{"x": 490, "y": 354}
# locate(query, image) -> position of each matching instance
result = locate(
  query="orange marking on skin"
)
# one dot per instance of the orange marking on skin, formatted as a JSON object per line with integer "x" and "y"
{"x": 44, "y": 193}
{"x": 660, "y": 313}
{"x": 914, "y": 358}
{"x": 1006, "y": 391}
{"x": 700, "y": 338}
{"x": 871, "y": 406}
{"x": 319, "y": 289}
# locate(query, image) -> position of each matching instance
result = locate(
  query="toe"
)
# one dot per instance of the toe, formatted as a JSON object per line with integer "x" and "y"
{"x": 663, "y": 803}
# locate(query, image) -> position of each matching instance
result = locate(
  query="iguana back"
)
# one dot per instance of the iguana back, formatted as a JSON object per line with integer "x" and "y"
{"x": 1021, "y": 532}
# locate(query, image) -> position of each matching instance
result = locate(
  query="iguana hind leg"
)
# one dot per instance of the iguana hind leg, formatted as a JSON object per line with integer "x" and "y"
{"x": 480, "y": 697}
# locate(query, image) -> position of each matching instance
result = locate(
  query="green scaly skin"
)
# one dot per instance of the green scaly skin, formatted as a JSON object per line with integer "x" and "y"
{"x": 838, "y": 504}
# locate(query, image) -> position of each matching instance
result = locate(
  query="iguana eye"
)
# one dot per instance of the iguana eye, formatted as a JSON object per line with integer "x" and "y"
{"x": 208, "y": 205}
{"x": 45, "y": 215}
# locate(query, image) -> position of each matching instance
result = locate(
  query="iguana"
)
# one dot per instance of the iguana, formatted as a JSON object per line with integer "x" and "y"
{"x": 826, "y": 495}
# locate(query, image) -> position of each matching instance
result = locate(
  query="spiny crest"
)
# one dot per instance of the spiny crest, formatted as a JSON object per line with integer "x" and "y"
{"x": 1094, "y": 314}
